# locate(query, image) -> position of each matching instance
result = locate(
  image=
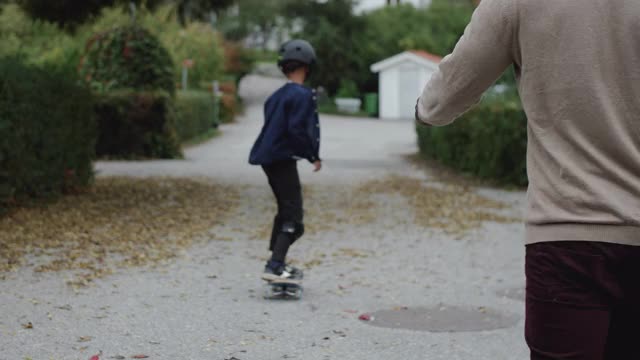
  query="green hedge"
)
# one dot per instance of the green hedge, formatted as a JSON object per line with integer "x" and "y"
{"x": 195, "y": 40}
{"x": 195, "y": 112}
{"x": 127, "y": 57}
{"x": 489, "y": 141}
{"x": 136, "y": 125}
{"x": 230, "y": 106}
{"x": 47, "y": 132}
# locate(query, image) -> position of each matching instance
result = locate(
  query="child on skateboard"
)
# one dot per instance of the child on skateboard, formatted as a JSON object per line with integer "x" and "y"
{"x": 291, "y": 132}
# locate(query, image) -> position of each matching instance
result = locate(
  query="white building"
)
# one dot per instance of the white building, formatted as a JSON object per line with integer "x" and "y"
{"x": 368, "y": 5}
{"x": 401, "y": 80}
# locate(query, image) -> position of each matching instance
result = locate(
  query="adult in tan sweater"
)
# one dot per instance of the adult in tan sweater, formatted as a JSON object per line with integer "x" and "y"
{"x": 578, "y": 69}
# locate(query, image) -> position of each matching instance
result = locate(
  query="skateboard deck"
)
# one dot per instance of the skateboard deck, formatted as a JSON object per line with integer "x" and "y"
{"x": 283, "y": 289}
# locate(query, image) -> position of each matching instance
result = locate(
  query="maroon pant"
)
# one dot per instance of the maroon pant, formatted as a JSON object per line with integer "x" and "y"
{"x": 583, "y": 301}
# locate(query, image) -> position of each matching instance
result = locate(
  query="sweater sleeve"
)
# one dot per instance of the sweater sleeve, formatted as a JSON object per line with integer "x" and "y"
{"x": 483, "y": 53}
{"x": 300, "y": 127}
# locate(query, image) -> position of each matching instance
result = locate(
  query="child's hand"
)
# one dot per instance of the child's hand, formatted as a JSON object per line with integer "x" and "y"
{"x": 317, "y": 166}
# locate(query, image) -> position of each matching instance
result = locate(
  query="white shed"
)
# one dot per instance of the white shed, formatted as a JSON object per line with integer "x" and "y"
{"x": 401, "y": 81}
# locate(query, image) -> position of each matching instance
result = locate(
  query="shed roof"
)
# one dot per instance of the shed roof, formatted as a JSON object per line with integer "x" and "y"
{"x": 420, "y": 57}
{"x": 431, "y": 57}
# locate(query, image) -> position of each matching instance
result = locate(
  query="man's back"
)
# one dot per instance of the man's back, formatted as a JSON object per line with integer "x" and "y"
{"x": 578, "y": 63}
{"x": 580, "y": 84}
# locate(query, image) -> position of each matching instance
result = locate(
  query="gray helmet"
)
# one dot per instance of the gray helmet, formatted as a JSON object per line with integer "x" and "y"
{"x": 297, "y": 50}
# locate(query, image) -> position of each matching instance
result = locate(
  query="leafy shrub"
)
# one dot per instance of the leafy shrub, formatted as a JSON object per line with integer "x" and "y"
{"x": 36, "y": 42}
{"x": 127, "y": 58}
{"x": 195, "y": 112}
{"x": 229, "y": 87}
{"x": 229, "y": 107}
{"x": 197, "y": 41}
{"x": 348, "y": 89}
{"x": 489, "y": 141}
{"x": 230, "y": 103}
{"x": 136, "y": 125}
{"x": 47, "y": 132}
{"x": 238, "y": 61}
{"x": 264, "y": 56}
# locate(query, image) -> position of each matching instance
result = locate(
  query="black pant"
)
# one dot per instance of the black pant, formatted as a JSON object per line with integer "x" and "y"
{"x": 583, "y": 301}
{"x": 285, "y": 183}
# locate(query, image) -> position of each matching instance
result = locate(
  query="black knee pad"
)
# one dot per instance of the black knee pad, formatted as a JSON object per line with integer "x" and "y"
{"x": 293, "y": 229}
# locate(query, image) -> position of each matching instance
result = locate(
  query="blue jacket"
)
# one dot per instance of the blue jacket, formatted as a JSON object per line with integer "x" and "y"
{"x": 291, "y": 128}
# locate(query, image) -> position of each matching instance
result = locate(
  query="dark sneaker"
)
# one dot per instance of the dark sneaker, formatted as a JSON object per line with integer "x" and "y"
{"x": 293, "y": 272}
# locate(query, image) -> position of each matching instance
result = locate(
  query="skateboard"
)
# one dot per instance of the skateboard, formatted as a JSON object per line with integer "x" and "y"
{"x": 283, "y": 289}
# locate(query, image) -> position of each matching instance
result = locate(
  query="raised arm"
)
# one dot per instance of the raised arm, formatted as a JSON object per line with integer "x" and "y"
{"x": 484, "y": 52}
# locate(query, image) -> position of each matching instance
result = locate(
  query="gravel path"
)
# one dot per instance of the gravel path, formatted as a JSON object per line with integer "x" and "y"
{"x": 365, "y": 252}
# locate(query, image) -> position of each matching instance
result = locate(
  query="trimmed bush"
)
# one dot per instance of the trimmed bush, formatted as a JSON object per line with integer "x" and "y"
{"x": 489, "y": 141}
{"x": 36, "y": 42}
{"x": 238, "y": 61}
{"x": 127, "y": 57}
{"x": 229, "y": 108}
{"x": 230, "y": 103}
{"x": 200, "y": 43}
{"x": 195, "y": 112}
{"x": 195, "y": 40}
{"x": 136, "y": 125}
{"x": 47, "y": 132}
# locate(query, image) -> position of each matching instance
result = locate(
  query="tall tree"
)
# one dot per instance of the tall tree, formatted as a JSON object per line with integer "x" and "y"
{"x": 70, "y": 13}
{"x": 200, "y": 9}
{"x": 64, "y": 12}
{"x": 255, "y": 17}
{"x": 334, "y": 30}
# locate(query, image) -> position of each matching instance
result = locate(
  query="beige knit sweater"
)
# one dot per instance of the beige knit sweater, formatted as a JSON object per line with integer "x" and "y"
{"x": 578, "y": 67}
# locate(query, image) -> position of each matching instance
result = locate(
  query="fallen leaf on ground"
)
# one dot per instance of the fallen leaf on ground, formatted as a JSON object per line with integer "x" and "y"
{"x": 84, "y": 338}
{"x": 118, "y": 223}
{"x": 28, "y": 325}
